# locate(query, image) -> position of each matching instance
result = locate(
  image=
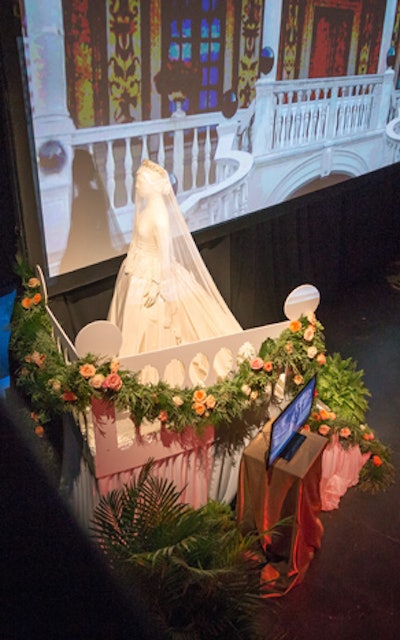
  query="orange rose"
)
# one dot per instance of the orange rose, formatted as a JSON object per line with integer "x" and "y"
{"x": 324, "y": 414}
{"x": 87, "y": 370}
{"x": 37, "y": 298}
{"x": 199, "y": 395}
{"x": 163, "y": 416}
{"x": 26, "y": 303}
{"x": 377, "y": 461}
{"x": 324, "y": 429}
{"x": 298, "y": 379}
{"x": 268, "y": 366}
{"x": 199, "y": 408}
{"x": 69, "y": 396}
{"x": 306, "y": 427}
{"x": 294, "y": 326}
{"x": 321, "y": 359}
{"x": 345, "y": 432}
{"x": 39, "y": 431}
{"x": 368, "y": 436}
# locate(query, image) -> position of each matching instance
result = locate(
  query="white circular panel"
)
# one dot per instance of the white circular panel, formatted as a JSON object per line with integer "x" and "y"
{"x": 301, "y": 301}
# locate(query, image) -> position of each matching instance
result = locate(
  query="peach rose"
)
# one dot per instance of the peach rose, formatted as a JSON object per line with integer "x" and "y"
{"x": 246, "y": 389}
{"x": 332, "y": 415}
{"x": 268, "y": 366}
{"x": 306, "y": 427}
{"x": 312, "y": 352}
{"x": 163, "y": 416}
{"x": 309, "y": 333}
{"x": 26, "y": 303}
{"x": 295, "y": 326}
{"x": 38, "y": 358}
{"x": 33, "y": 283}
{"x": 177, "y": 400}
{"x": 87, "y": 370}
{"x": 257, "y": 363}
{"x": 37, "y": 298}
{"x": 210, "y": 401}
{"x": 199, "y": 395}
{"x": 321, "y": 359}
{"x": 311, "y": 317}
{"x": 289, "y": 348}
{"x": 199, "y": 408}
{"x": 254, "y": 395}
{"x": 376, "y": 461}
{"x": 345, "y": 432}
{"x": 112, "y": 382}
{"x": 298, "y": 379}
{"x": 114, "y": 365}
{"x": 324, "y": 429}
{"x": 97, "y": 381}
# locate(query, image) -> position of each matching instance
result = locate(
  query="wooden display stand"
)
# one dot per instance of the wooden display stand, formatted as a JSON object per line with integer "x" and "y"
{"x": 289, "y": 490}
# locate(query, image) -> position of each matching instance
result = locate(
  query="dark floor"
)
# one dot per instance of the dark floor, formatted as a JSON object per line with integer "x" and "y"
{"x": 352, "y": 588}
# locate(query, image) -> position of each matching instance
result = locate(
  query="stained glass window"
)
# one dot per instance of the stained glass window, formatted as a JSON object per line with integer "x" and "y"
{"x": 192, "y": 33}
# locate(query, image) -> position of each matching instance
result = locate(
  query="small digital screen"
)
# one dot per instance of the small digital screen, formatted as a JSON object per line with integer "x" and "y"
{"x": 290, "y": 421}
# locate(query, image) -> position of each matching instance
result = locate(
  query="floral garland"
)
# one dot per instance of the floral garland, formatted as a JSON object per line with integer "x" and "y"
{"x": 54, "y": 387}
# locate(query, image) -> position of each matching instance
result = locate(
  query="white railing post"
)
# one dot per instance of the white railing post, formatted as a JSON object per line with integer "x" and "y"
{"x": 333, "y": 113}
{"x": 178, "y": 152}
{"x": 264, "y": 117}
{"x": 385, "y": 102}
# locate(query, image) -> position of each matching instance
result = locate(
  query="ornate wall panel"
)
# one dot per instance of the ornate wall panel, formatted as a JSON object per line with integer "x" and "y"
{"x": 250, "y": 44}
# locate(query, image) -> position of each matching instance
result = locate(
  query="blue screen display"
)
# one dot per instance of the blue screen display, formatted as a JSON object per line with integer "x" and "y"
{"x": 290, "y": 421}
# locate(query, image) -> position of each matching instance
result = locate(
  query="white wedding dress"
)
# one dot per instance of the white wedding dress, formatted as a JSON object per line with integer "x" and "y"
{"x": 164, "y": 294}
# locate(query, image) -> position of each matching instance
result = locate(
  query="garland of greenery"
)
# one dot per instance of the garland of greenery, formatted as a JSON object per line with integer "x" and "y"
{"x": 231, "y": 405}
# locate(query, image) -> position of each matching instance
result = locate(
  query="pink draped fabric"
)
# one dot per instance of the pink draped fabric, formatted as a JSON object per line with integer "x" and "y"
{"x": 340, "y": 470}
{"x": 189, "y": 471}
{"x": 185, "y": 459}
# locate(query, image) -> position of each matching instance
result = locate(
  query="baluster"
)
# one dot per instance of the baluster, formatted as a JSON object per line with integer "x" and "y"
{"x": 161, "y": 150}
{"x": 309, "y": 106}
{"x": 195, "y": 157}
{"x": 280, "y": 120}
{"x": 179, "y": 158}
{"x": 145, "y": 148}
{"x": 128, "y": 164}
{"x": 110, "y": 173}
{"x": 207, "y": 156}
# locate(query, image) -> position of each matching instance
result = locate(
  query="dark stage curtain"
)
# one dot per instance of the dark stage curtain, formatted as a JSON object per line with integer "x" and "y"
{"x": 331, "y": 238}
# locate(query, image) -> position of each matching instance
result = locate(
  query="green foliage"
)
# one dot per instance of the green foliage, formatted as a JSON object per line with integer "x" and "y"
{"x": 341, "y": 387}
{"x": 200, "y": 576}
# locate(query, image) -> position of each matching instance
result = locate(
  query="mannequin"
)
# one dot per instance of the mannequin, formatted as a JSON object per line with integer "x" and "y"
{"x": 164, "y": 295}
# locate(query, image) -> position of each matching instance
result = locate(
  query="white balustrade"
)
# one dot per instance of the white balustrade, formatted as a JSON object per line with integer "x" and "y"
{"x": 290, "y": 114}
